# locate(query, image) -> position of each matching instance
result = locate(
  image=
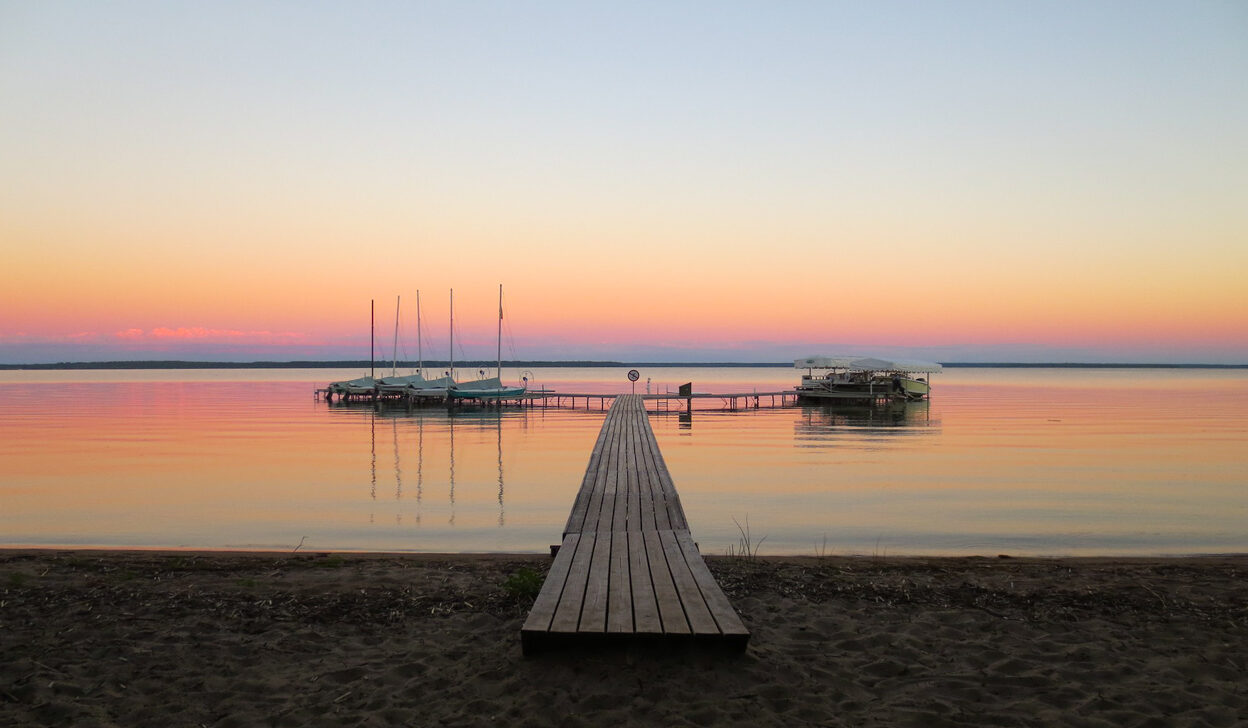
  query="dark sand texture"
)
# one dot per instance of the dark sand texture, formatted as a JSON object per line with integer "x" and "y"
{"x": 158, "y": 639}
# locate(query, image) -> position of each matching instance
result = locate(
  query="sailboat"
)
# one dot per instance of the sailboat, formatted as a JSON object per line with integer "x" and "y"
{"x": 360, "y": 386}
{"x": 413, "y": 383}
{"x": 492, "y": 387}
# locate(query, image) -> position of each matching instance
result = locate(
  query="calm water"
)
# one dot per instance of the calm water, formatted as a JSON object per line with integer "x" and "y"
{"x": 1019, "y": 461}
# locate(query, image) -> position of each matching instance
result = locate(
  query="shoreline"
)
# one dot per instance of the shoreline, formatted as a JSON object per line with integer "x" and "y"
{"x": 38, "y": 549}
{"x": 150, "y": 637}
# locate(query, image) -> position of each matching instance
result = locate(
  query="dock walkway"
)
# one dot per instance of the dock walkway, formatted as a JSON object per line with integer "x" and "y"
{"x": 628, "y": 566}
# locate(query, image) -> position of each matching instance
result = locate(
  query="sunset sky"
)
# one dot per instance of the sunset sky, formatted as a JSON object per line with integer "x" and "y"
{"x": 689, "y": 181}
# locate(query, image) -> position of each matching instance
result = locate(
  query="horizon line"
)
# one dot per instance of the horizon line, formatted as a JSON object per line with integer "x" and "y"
{"x": 555, "y": 363}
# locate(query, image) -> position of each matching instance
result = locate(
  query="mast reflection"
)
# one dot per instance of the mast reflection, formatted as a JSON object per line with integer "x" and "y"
{"x": 462, "y": 438}
{"x": 499, "y": 430}
{"x": 451, "y": 427}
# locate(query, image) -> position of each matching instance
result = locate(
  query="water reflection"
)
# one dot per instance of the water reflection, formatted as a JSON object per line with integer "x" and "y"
{"x": 458, "y": 438}
{"x": 1001, "y": 461}
{"x": 372, "y": 465}
{"x": 821, "y": 423}
{"x": 398, "y": 468}
{"x": 499, "y": 431}
{"x": 420, "y": 466}
{"x": 451, "y": 430}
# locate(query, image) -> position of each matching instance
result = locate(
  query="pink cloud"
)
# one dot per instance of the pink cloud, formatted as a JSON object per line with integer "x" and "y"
{"x": 186, "y": 333}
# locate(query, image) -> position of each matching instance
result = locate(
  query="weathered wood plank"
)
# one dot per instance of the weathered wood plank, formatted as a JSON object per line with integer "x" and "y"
{"x": 576, "y": 519}
{"x": 721, "y": 609}
{"x": 700, "y": 619}
{"x": 594, "y": 512}
{"x": 543, "y": 610}
{"x": 620, "y": 598}
{"x": 632, "y": 517}
{"x": 645, "y": 607}
{"x": 627, "y": 464}
{"x": 670, "y": 610}
{"x": 611, "y": 483}
{"x": 594, "y": 608}
{"x": 623, "y": 461}
{"x": 662, "y": 512}
{"x": 645, "y": 489}
{"x": 671, "y": 499}
{"x": 568, "y": 614}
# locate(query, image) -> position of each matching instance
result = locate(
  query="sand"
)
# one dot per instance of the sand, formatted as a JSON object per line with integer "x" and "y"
{"x": 93, "y": 638}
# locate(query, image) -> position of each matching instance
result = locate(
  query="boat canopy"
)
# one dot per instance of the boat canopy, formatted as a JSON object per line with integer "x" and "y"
{"x": 867, "y": 364}
{"x": 823, "y": 362}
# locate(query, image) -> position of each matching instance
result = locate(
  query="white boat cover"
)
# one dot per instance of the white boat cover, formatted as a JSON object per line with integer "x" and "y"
{"x": 411, "y": 380}
{"x": 823, "y": 362}
{"x": 414, "y": 381}
{"x": 361, "y": 383}
{"x": 867, "y": 364}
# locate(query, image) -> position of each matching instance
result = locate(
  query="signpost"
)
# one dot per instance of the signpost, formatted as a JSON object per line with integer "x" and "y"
{"x": 633, "y": 376}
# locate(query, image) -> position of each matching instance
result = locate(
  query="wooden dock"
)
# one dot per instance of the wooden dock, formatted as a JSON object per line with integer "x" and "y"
{"x": 658, "y": 402}
{"x": 628, "y": 567}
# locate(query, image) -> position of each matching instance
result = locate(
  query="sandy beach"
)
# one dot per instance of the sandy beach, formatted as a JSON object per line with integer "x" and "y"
{"x": 106, "y": 638}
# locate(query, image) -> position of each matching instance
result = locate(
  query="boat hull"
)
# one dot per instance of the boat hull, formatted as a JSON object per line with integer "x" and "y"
{"x": 500, "y": 393}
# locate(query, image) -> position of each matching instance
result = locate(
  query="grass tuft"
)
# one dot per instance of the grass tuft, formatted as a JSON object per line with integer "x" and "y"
{"x": 524, "y": 584}
{"x": 745, "y": 548}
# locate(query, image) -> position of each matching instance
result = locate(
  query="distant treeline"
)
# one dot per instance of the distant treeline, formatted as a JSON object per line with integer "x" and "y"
{"x": 171, "y": 364}
{"x": 365, "y": 364}
{"x": 1077, "y": 365}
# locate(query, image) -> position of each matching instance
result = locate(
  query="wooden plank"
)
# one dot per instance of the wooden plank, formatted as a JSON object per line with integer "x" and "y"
{"x": 662, "y": 514}
{"x": 568, "y": 614}
{"x": 576, "y": 519}
{"x": 721, "y": 609}
{"x": 671, "y": 612}
{"x": 700, "y": 619}
{"x": 620, "y": 598}
{"x": 646, "y": 619}
{"x": 607, "y": 482}
{"x": 632, "y": 518}
{"x": 597, "y": 587}
{"x": 671, "y": 499}
{"x": 625, "y": 462}
{"x": 676, "y": 514}
{"x": 543, "y": 610}
{"x": 646, "y": 507}
{"x": 594, "y": 511}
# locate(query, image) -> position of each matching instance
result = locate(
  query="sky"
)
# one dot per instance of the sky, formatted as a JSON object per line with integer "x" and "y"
{"x": 649, "y": 181}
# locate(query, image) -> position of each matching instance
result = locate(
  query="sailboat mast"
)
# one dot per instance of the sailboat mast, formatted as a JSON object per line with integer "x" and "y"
{"x": 372, "y": 346}
{"x": 498, "y": 370}
{"x": 420, "y": 353}
{"x": 451, "y": 368}
{"x": 394, "y": 363}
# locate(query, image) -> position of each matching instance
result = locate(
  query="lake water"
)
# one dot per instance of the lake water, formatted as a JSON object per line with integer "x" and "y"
{"x": 1017, "y": 461}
